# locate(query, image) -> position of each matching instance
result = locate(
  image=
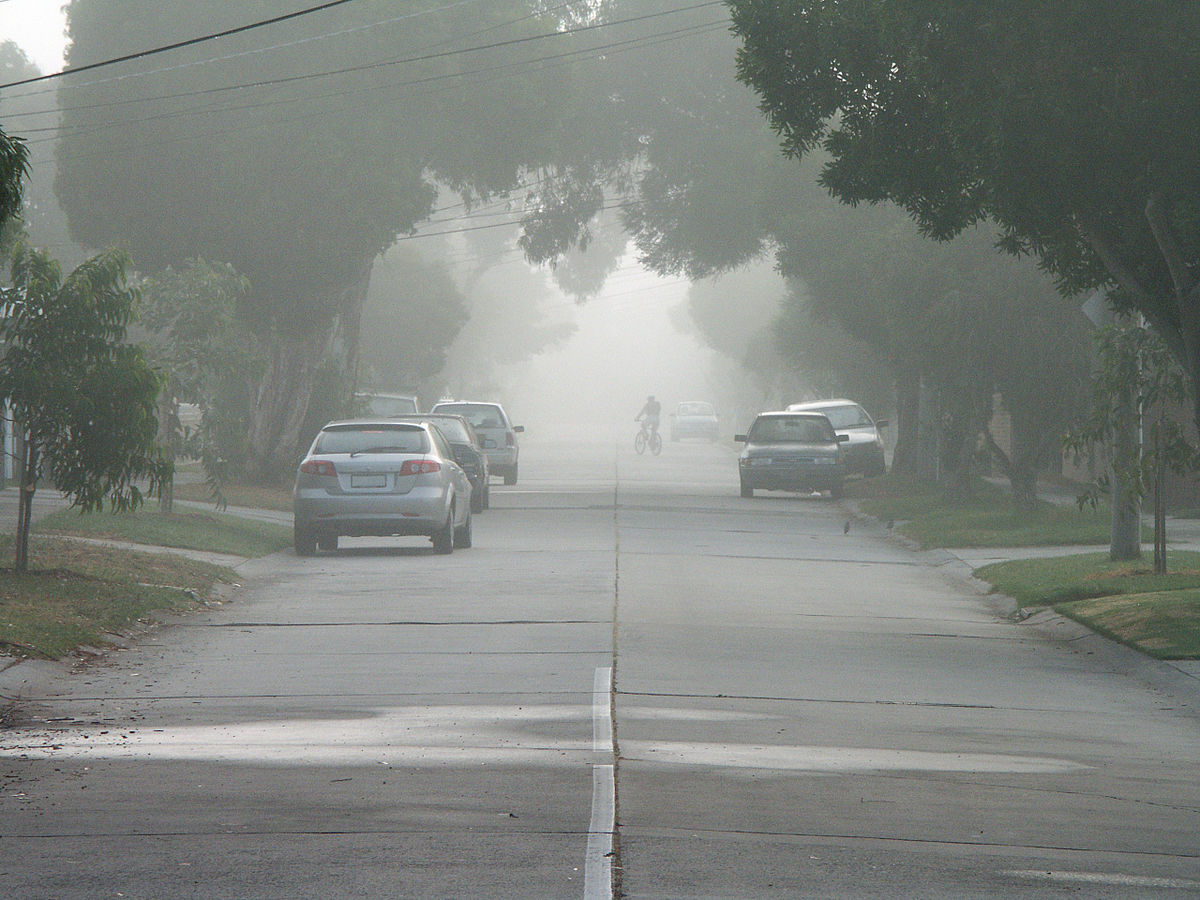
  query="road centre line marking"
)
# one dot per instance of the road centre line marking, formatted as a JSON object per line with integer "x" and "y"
{"x": 602, "y": 733}
{"x": 1105, "y": 878}
{"x": 597, "y": 871}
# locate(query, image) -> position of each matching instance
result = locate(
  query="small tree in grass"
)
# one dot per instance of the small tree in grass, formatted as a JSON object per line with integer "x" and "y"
{"x": 1135, "y": 372}
{"x": 84, "y": 399}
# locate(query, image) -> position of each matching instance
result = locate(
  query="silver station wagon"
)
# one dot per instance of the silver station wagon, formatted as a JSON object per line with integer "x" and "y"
{"x": 379, "y": 477}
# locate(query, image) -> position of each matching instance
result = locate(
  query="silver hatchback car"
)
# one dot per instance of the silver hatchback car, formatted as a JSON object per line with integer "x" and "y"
{"x": 498, "y": 434}
{"x": 380, "y": 477}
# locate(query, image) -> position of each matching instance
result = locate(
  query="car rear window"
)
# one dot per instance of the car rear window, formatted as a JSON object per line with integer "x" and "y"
{"x": 480, "y": 415}
{"x": 845, "y": 416}
{"x": 453, "y": 429}
{"x": 695, "y": 409}
{"x": 791, "y": 429}
{"x": 372, "y": 439}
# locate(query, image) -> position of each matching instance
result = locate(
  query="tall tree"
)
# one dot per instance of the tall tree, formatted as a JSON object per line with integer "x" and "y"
{"x": 84, "y": 399}
{"x": 298, "y": 152}
{"x": 1074, "y": 125}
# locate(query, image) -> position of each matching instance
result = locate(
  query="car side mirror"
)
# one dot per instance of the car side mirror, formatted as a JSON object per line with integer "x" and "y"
{"x": 519, "y": 428}
{"x": 882, "y": 423}
{"x": 489, "y": 444}
{"x": 739, "y": 438}
{"x": 841, "y": 438}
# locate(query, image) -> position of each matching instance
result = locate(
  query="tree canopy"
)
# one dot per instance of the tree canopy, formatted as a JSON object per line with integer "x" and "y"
{"x": 1074, "y": 125}
{"x": 298, "y": 153}
{"x": 84, "y": 399}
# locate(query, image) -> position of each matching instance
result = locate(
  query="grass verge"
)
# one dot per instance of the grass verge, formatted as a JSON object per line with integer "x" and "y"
{"x": 1124, "y": 601}
{"x": 76, "y": 593}
{"x": 207, "y": 531}
{"x": 988, "y": 519}
{"x": 236, "y": 494}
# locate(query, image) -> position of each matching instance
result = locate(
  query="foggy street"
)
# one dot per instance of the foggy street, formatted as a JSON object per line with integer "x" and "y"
{"x": 762, "y": 703}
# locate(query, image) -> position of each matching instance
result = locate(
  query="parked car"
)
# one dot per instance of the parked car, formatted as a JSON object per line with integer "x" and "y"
{"x": 498, "y": 434}
{"x": 386, "y": 404}
{"x": 862, "y": 452}
{"x": 694, "y": 418}
{"x": 788, "y": 451}
{"x": 468, "y": 452}
{"x": 380, "y": 477}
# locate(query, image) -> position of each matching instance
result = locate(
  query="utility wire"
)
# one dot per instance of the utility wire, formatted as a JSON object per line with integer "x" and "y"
{"x": 593, "y": 52}
{"x": 142, "y": 54}
{"x": 427, "y": 57}
{"x": 522, "y": 66}
{"x": 597, "y": 53}
{"x": 342, "y": 32}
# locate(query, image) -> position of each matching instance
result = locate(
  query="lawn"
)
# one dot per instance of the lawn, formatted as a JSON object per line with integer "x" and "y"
{"x": 1125, "y": 601}
{"x": 77, "y": 593}
{"x": 237, "y": 494}
{"x": 192, "y": 530}
{"x": 988, "y": 519}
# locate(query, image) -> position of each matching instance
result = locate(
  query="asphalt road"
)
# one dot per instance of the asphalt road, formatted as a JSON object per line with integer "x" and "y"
{"x": 635, "y": 675}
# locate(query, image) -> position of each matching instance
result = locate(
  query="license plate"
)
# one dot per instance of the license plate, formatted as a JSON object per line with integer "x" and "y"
{"x": 368, "y": 481}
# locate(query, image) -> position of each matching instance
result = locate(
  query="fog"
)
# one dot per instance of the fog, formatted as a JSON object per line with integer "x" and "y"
{"x": 628, "y": 344}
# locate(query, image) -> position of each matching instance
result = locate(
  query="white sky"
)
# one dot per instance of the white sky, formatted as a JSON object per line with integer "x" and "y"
{"x": 36, "y": 26}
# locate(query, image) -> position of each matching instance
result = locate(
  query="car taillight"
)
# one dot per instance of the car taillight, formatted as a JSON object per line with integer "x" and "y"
{"x": 420, "y": 466}
{"x": 318, "y": 467}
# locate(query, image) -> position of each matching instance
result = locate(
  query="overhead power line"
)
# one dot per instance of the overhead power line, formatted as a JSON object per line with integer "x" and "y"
{"x": 466, "y": 76}
{"x": 365, "y": 67}
{"x": 142, "y": 54}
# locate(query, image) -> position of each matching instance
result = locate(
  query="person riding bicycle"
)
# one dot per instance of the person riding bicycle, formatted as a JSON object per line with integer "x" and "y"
{"x": 649, "y": 415}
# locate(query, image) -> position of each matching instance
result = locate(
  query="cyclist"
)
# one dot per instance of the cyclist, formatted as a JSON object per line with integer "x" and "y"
{"x": 649, "y": 415}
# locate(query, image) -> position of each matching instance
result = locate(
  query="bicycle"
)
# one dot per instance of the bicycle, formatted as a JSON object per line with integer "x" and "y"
{"x": 646, "y": 438}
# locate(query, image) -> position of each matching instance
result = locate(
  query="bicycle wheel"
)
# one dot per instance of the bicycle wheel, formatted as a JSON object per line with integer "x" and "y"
{"x": 656, "y": 443}
{"x": 639, "y": 442}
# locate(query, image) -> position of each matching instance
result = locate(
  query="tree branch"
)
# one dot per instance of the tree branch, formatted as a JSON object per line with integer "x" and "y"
{"x": 1168, "y": 246}
{"x": 1145, "y": 301}
{"x": 997, "y": 451}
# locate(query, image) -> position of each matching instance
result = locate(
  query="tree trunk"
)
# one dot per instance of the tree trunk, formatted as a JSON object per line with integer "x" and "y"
{"x": 168, "y": 421}
{"x": 1160, "y": 501}
{"x": 1126, "y": 509}
{"x": 280, "y": 405}
{"x": 908, "y": 397}
{"x": 27, "y": 485}
{"x": 351, "y": 321}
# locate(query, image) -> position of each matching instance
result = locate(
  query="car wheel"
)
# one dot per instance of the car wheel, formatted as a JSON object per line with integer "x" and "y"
{"x": 462, "y": 534}
{"x": 328, "y": 542}
{"x": 838, "y": 491}
{"x": 443, "y": 538}
{"x": 304, "y": 540}
{"x": 477, "y": 498}
{"x": 487, "y": 496}
{"x": 747, "y": 491}
{"x": 511, "y": 477}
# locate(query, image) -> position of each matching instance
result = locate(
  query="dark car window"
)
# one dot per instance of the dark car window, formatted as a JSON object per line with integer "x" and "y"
{"x": 791, "y": 429}
{"x": 845, "y": 416}
{"x": 455, "y": 428}
{"x": 481, "y": 415}
{"x": 443, "y": 448}
{"x": 372, "y": 439}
